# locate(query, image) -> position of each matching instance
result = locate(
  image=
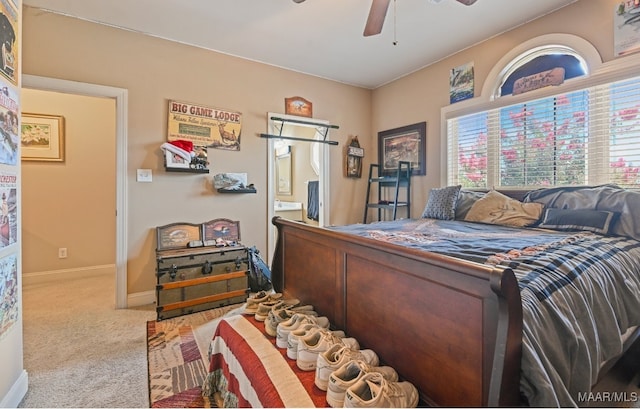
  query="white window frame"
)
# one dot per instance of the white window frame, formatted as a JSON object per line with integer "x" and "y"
{"x": 597, "y": 73}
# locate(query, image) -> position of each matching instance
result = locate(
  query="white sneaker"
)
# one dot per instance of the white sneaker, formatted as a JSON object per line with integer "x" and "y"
{"x": 302, "y": 331}
{"x": 278, "y": 315}
{"x": 373, "y": 391}
{"x": 255, "y": 300}
{"x": 336, "y": 356}
{"x": 348, "y": 374}
{"x": 296, "y": 321}
{"x": 266, "y": 306}
{"x": 310, "y": 346}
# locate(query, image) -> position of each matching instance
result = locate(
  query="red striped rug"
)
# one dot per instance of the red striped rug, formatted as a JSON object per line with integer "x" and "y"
{"x": 177, "y": 359}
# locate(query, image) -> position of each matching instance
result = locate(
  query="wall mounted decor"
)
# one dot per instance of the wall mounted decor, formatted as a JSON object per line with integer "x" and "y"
{"x": 407, "y": 144}
{"x": 626, "y": 22}
{"x": 298, "y": 106}
{"x": 204, "y": 126}
{"x": 354, "y": 155}
{"x": 42, "y": 137}
{"x": 9, "y": 57}
{"x": 461, "y": 83}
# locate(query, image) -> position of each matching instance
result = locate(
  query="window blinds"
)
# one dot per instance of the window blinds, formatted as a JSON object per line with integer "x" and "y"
{"x": 590, "y": 136}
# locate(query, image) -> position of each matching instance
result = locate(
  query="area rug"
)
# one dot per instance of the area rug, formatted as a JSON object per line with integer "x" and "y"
{"x": 177, "y": 358}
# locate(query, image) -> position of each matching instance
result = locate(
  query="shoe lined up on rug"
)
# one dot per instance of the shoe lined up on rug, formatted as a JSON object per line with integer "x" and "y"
{"x": 264, "y": 308}
{"x": 336, "y": 356}
{"x": 306, "y": 329}
{"x": 348, "y": 374}
{"x": 260, "y": 297}
{"x": 310, "y": 346}
{"x": 279, "y": 315}
{"x": 374, "y": 391}
{"x": 296, "y": 321}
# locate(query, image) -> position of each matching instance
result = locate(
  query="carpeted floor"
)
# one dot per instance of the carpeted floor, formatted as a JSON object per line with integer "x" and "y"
{"x": 177, "y": 358}
{"x": 79, "y": 351}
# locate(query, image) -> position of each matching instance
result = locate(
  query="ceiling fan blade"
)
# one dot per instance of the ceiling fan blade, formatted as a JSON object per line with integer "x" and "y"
{"x": 377, "y": 13}
{"x": 467, "y": 2}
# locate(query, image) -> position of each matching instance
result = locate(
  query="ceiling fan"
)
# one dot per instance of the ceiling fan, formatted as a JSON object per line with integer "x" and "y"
{"x": 378, "y": 12}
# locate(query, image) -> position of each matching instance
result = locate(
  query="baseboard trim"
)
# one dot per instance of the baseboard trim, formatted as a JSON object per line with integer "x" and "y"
{"x": 133, "y": 300}
{"x": 141, "y": 298}
{"x": 89, "y": 270}
{"x": 17, "y": 392}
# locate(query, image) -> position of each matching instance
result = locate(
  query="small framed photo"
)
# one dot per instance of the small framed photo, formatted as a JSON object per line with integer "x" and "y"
{"x": 42, "y": 137}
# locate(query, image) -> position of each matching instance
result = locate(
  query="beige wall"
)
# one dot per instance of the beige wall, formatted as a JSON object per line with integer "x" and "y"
{"x": 421, "y": 95}
{"x": 155, "y": 71}
{"x": 71, "y": 204}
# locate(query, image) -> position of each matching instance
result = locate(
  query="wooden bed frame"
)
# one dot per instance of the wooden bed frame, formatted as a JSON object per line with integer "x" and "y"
{"x": 451, "y": 327}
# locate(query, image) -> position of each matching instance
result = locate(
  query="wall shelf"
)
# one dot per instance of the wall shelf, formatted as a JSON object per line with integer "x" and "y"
{"x": 186, "y": 170}
{"x": 244, "y": 190}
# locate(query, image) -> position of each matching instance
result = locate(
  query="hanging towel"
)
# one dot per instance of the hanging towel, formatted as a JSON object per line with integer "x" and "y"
{"x": 313, "y": 200}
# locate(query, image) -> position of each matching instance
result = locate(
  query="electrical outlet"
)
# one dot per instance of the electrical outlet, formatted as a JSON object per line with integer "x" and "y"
{"x": 62, "y": 252}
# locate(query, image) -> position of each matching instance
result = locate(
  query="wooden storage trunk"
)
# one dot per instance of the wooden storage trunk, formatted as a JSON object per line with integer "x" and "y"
{"x": 199, "y": 278}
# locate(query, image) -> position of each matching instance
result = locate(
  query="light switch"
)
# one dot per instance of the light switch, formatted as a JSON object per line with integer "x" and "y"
{"x": 144, "y": 175}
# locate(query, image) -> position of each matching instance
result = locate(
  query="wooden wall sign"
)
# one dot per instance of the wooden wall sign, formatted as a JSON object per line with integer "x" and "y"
{"x": 543, "y": 79}
{"x": 298, "y": 106}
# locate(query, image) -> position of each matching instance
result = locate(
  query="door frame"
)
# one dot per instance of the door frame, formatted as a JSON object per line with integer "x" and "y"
{"x": 323, "y": 176}
{"x": 121, "y": 96}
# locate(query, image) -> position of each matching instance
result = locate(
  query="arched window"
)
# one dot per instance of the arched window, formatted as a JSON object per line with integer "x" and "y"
{"x": 540, "y": 60}
{"x": 584, "y": 131}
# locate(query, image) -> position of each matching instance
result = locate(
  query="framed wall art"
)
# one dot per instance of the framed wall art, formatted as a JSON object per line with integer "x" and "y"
{"x": 42, "y": 137}
{"x": 407, "y": 143}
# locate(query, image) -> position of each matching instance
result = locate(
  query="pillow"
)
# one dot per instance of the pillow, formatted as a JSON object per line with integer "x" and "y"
{"x": 442, "y": 203}
{"x": 496, "y": 208}
{"x": 597, "y": 221}
{"x": 466, "y": 199}
{"x": 624, "y": 203}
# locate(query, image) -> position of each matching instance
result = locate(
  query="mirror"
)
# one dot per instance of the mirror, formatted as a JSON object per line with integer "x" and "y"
{"x": 283, "y": 173}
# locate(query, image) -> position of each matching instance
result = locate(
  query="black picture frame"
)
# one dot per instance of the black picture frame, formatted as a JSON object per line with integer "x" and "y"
{"x": 407, "y": 143}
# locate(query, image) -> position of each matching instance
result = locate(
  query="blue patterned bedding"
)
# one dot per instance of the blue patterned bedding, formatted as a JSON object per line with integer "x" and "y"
{"x": 580, "y": 291}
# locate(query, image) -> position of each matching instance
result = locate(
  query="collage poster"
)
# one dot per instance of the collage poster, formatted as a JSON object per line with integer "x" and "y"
{"x": 9, "y": 216}
{"x": 9, "y": 132}
{"x": 9, "y": 160}
{"x": 8, "y": 293}
{"x": 8, "y": 40}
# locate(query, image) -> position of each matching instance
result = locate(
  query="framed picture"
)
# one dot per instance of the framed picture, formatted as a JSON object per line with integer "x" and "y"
{"x": 42, "y": 137}
{"x": 407, "y": 143}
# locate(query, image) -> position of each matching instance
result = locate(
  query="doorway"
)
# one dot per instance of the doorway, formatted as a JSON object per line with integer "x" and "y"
{"x": 291, "y": 191}
{"x": 120, "y": 96}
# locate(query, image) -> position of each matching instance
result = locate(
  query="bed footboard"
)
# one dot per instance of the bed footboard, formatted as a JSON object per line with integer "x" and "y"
{"x": 452, "y": 328}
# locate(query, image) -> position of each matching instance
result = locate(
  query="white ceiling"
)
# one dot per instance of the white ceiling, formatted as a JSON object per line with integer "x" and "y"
{"x": 318, "y": 37}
